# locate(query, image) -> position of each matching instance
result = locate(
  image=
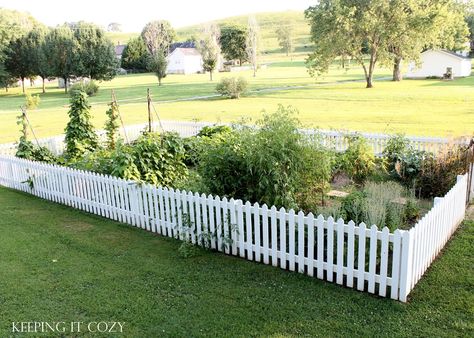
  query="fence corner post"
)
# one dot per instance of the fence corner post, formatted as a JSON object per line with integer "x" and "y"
{"x": 406, "y": 265}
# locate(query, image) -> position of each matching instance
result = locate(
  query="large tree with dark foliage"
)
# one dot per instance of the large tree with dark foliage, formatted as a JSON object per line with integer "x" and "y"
{"x": 233, "y": 42}
{"x": 135, "y": 55}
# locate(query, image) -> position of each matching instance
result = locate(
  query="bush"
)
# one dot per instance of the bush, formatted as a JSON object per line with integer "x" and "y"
{"x": 272, "y": 164}
{"x": 210, "y": 131}
{"x": 354, "y": 207}
{"x": 396, "y": 149}
{"x": 438, "y": 172}
{"x": 31, "y": 101}
{"x": 232, "y": 87}
{"x": 358, "y": 161}
{"x": 91, "y": 88}
{"x": 30, "y": 151}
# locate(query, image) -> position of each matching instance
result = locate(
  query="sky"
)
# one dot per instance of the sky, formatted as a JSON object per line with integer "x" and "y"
{"x": 134, "y": 14}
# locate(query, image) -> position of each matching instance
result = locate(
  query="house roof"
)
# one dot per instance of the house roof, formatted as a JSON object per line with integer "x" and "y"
{"x": 186, "y": 51}
{"x": 119, "y": 49}
{"x": 450, "y": 53}
{"x": 186, "y": 44}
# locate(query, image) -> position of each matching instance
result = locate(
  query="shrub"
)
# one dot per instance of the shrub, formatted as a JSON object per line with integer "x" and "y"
{"x": 91, "y": 88}
{"x": 396, "y": 149}
{"x": 358, "y": 161}
{"x": 112, "y": 125}
{"x": 31, "y": 101}
{"x": 272, "y": 164}
{"x": 232, "y": 87}
{"x": 194, "y": 145}
{"x": 384, "y": 205}
{"x": 438, "y": 172}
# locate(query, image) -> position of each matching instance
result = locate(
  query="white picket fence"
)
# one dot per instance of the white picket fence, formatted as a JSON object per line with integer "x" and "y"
{"x": 334, "y": 139}
{"x": 360, "y": 257}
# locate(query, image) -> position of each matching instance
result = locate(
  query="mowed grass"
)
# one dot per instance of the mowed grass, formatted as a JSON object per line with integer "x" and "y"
{"x": 413, "y": 107}
{"x": 59, "y": 264}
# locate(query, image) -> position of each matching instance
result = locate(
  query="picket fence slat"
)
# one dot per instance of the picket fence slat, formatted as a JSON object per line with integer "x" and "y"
{"x": 368, "y": 259}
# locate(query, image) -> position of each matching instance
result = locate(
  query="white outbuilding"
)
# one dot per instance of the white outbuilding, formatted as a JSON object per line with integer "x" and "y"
{"x": 440, "y": 62}
{"x": 184, "y": 61}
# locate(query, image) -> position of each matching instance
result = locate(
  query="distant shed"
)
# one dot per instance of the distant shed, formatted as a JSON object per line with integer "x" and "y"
{"x": 184, "y": 61}
{"x": 437, "y": 62}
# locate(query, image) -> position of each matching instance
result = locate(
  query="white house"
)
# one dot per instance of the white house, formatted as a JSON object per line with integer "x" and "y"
{"x": 437, "y": 62}
{"x": 184, "y": 61}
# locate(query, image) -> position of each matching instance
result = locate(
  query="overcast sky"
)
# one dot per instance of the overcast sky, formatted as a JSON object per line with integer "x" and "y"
{"x": 134, "y": 14}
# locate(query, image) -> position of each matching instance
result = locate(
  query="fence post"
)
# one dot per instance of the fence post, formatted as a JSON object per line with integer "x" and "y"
{"x": 406, "y": 265}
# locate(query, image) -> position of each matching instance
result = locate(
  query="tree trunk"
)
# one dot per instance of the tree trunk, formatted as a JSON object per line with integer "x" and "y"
{"x": 65, "y": 84}
{"x": 369, "y": 81}
{"x": 210, "y": 75}
{"x": 23, "y": 84}
{"x": 44, "y": 88}
{"x": 159, "y": 81}
{"x": 397, "y": 72}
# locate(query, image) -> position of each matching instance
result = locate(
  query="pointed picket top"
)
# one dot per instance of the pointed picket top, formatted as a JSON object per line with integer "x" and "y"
{"x": 374, "y": 228}
{"x": 282, "y": 210}
{"x": 196, "y": 194}
{"x": 265, "y": 207}
{"x": 210, "y": 197}
{"x": 217, "y": 199}
{"x": 256, "y": 205}
{"x": 273, "y": 208}
{"x": 247, "y": 204}
{"x": 385, "y": 230}
{"x": 320, "y": 218}
{"x": 330, "y": 219}
{"x": 203, "y": 196}
{"x": 351, "y": 223}
{"x": 363, "y": 226}
{"x": 397, "y": 232}
{"x": 291, "y": 212}
{"x": 190, "y": 194}
{"x": 160, "y": 189}
{"x": 165, "y": 189}
{"x": 300, "y": 213}
{"x": 340, "y": 220}
{"x": 310, "y": 215}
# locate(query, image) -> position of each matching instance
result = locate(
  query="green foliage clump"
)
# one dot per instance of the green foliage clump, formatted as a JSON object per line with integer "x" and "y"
{"x": 91, "y": 88}
{"x": 158, "y": 64}
{"x": 112, "y": 125}
{"x": 31, "y": 101}
{"x": 232, "y": 87}
{"x": 80, "y": 135}
{"x": 273, "y": 164}
{"x": 210, "y": 131}
{"x": 152, "y": 158}
{"x": 358, "y": 161}
{"x": 354, "y": 206}
{"x": 135, "y": 55}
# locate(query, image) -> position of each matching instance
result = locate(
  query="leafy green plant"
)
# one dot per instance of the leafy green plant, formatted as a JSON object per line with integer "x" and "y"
{"x": 232, "y": 87}
{"x": 91, "y": 88}
{"x": 31, "y": 101}
{"x": 354, "y": 206}
{"x": 384, "y": 204}
{"x": 358, "y": 161}
{"x": 80, "y": 135}
{"x": 112, "y": 125}
{"x": 210, "y": 131}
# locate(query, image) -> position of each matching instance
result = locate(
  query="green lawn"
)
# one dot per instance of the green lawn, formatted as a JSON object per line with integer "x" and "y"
{"x": 420, "y": 107}
{"x": 59, "y": 264}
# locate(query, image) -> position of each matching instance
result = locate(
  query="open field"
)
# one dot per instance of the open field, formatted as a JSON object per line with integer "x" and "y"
{"x": 77, "y": 267}
{"x": 414, "y": 107}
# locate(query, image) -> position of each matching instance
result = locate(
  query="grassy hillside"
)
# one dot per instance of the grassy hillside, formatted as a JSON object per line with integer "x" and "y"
{"x": 268, "y": 24}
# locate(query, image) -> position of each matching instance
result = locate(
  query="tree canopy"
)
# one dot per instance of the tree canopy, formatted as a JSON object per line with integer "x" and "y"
{"x": 158, "y": 36}
{"x": 208, "y": 46}
{"x": 233, "y": 42}
{"x": 135, "y": 55}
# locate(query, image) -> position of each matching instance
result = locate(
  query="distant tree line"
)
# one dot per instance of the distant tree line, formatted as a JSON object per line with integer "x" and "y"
{"x": 68, "y": 51}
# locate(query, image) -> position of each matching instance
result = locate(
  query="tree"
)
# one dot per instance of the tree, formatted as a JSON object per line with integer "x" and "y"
{"x": 158, "y": 64}
{"x": 61, "y": 48}
{"x": 251, "y": 43}
{"x": 470, "y": 24}
{"x": 421, "y": 24}
{"x": 17, "y": 60}
{"x": 114, "y": 27}
{"x": 340, "y": 29}
{"x": 209, "y": 48}
{"x": 37, "y": 53}
{"x": 112, "y": 125}
{"x": 285, "y": 37}
{"x": 158, "y": 36}
{"x": 80, "y": 136}
{"x": 6, "y": 79}
{"x": 135, "y": 55}
{"x": 96, "y": 52}
{"x": 233, "y": 42}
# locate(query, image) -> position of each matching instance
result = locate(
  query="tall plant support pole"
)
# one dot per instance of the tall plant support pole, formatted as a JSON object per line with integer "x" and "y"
{"x": 114, "y": 98}
{"x": 148, "y": 97}
{"x": 23, "y": 111}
